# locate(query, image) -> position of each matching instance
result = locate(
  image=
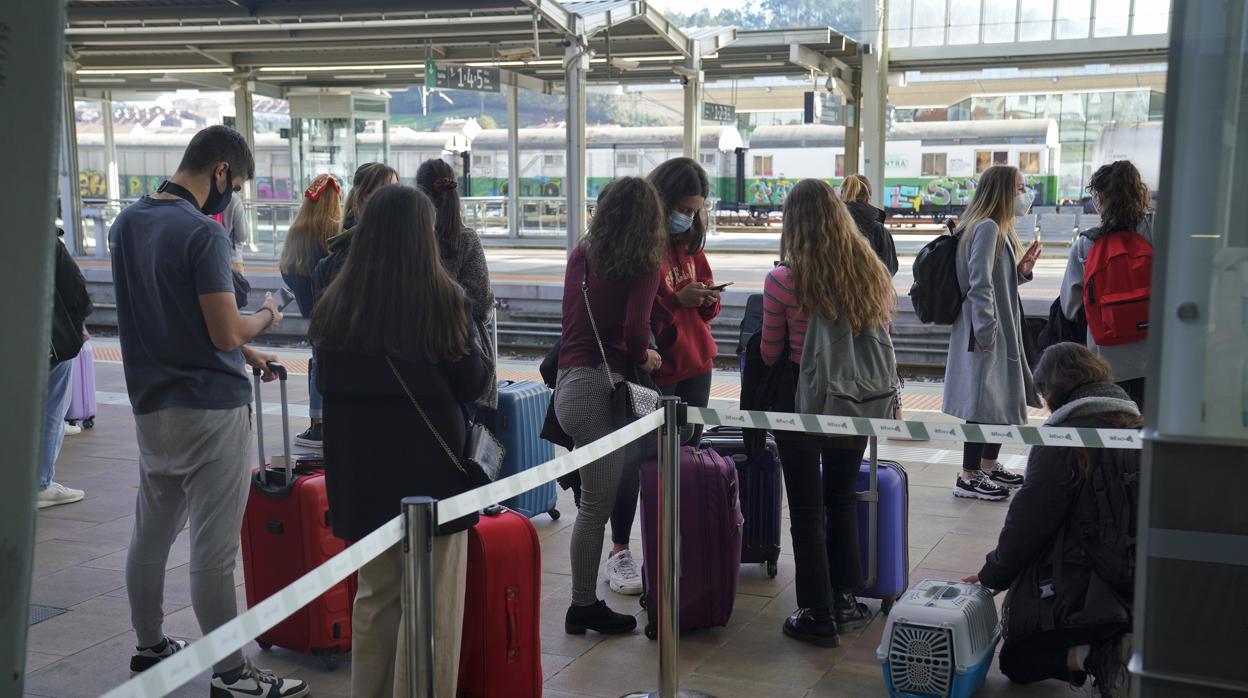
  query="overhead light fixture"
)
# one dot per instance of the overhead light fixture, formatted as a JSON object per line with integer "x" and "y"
{"x": 755, "y": 64}
{"x": 332, "y": 68}
{"x": 100, "y": 81}
{"x": 360, "y": 76}
{"x": 151, "y": 71}
{"x": 517, "y": 53}
{"x": 624, "y": 63}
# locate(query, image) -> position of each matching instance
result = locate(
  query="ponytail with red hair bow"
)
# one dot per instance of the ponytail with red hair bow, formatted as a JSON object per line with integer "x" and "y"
{"x": 319, "y": 184}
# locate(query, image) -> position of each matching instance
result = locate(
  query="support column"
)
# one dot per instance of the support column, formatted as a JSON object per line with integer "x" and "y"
{"x": 112, "y": 181}
{"x": 71, "y": 198}
{"x": 514, "y": 215}
{"x": 874, "y": 95}
{"x": 693, "y": 101}
{"x": 244, "y": 118}
{"x": 853, "y": 124}
{"x": 576, "y": 65}
{"x": 32, "y": 37}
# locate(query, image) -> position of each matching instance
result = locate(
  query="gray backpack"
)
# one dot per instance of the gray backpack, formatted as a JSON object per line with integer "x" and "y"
{"x": 844, "y": 375}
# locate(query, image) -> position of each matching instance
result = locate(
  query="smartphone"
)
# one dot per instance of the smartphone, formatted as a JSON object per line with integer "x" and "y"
{"x": 721, "y": 287}
{"x": 284, "y": 298}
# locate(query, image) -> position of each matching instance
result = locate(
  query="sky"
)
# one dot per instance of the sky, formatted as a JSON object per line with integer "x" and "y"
{"x": 685, "y": 5}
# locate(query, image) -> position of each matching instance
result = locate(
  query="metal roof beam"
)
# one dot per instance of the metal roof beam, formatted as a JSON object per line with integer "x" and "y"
{"x": 1059, "y": 52}
{"x": 79, "y": 12}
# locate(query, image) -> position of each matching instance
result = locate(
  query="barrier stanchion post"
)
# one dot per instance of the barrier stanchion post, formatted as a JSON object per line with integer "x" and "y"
{"x": 668, "y": 596}
{"x": 419, "y": 523}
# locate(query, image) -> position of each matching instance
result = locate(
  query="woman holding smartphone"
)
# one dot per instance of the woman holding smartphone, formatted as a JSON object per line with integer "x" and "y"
{"x": 684, "y": 306}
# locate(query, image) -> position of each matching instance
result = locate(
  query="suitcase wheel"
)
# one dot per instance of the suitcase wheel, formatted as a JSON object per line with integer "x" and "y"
{"x": 641, "y": 600}
{"x": 652, "y": 633}
{"x": 264, "y": 645}
{"x": 886, "y": 605}
{"x": 772, "y": 570}
{"x": 554, "y": 514}
{"x": 88, "y": 423}
{"x": 331, "y": 662}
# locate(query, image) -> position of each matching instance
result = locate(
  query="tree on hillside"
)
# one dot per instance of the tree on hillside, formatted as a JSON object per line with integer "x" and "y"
{"x": 842, "y": 15}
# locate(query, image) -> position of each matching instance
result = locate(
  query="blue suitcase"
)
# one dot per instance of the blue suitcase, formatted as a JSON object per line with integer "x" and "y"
{"x": 761, "y": 491}
{"x": 517, "y": 422}
{"x": 883, "y": 510}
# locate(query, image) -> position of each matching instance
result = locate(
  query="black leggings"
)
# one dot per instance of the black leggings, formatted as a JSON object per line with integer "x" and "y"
{"x": 694, "y": 391}
{"x": 823, "y": 514}
{"x": 973, "y": 453}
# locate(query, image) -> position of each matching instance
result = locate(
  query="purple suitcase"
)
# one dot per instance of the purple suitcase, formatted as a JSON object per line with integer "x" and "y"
{"x": 883, "y": 508}
{"x": 710, "y": 533}
{"x": 82, "y": 389}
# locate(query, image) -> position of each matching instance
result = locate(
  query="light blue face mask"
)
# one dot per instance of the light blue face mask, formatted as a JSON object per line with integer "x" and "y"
{"x": 679, "y": 222}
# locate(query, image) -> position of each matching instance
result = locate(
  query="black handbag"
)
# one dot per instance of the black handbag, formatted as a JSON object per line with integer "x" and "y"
{"x": 482, "y": 460}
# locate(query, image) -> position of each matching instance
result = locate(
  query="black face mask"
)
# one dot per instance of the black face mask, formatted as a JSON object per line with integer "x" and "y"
{"x": 217, "y": 201}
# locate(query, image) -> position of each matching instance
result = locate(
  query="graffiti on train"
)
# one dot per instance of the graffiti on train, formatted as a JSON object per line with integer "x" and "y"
{"x": 900, "y": 193}
{"x": 93, "y": 184}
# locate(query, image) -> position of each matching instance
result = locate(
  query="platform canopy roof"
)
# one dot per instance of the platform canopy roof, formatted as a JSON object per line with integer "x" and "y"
{"x": 282, "y": 44}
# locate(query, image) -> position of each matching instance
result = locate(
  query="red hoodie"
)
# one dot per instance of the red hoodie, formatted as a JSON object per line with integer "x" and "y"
{"x": 683, "y": 335}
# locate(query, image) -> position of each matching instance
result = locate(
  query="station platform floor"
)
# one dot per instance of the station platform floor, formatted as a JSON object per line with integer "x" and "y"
{"x": 81, "y": 549}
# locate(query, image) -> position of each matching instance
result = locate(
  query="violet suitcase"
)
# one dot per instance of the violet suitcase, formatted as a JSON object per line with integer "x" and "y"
{"x": 883, "y": 508}
{"x": 710, "y": 534}
{"x": 286, "y": 533}
{"x": 517, "y": 422}
{"x": 82, "y": 389}
{"x": 760, "y": 482}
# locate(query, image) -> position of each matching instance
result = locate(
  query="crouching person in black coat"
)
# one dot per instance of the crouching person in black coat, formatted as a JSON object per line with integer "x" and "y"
{"x": 392, "y": 333}
{"x": 1067, "y": 550}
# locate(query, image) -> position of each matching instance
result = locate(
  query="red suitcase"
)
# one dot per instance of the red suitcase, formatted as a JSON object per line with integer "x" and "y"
{"x": 501, "y": 653}
{"x": 286, "y": 533}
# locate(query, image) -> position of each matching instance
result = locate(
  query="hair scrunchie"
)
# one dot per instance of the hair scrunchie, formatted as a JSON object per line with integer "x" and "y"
{"x": 319, "y": 185}
{"x": 444, "y": 184}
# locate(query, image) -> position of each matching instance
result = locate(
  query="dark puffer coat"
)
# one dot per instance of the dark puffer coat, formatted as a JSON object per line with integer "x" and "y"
{"x": 1046, "y": 553}
{"x": 870, "y": 222}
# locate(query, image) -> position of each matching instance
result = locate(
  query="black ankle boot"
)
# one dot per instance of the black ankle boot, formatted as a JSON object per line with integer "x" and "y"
{"x": 814, "y": 626}
{"x": 598, "y": 618}
{"x": 850, "y": 613}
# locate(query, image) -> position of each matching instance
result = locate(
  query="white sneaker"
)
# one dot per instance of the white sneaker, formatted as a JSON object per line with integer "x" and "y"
{"x": 257, "y": 683}
{"x": 56, "y": 493}
{"x": 71, "y": 429}
{"x": 622, "y": 575}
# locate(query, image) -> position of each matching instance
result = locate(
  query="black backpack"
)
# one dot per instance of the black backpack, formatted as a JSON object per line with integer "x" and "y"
{"x": 1114, "y": 486}
{"x": 935, "y": 293}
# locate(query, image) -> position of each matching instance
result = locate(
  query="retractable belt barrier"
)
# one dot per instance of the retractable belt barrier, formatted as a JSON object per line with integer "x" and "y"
{"x": 198, "y": 657}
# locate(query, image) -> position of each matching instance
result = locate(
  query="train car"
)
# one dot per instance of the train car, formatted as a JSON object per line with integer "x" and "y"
{"x": 1139, "y": 142}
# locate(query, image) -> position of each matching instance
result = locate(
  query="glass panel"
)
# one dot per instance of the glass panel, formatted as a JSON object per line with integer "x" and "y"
{"x": 1111, "y": 17}
{"x": 1151, "y": 17}
{"x": 983, "y": 160}
{"x": 1029, "y": 163}
{"x": 929, "y": 23}
{"x": 1035, "y": 21}
{"x": 1001, "y": 157}
{"x": 999, "y": 21}
{"x": 1072, "y": 19}
{"x": 988, "y": 107}
{"x": 960, "y": 111}
{"x": 840, "y": 165}
{"x": 325, "y": 146}
{"x": 899, "y": 24}
{"x": 1130, "y": 106}
{"x": 1020, "y": 107}
{"x": 964, "y": 21}
{"x": 1100, "y": 108}
{"x": 935, "y": 165}
{"x": 1156, "y": 106}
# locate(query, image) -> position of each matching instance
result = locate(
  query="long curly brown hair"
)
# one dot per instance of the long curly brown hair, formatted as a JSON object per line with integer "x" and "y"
{"x": 626, "y": 235}
{"x": 1123, "y": 196}
{"x": 833, "y": 269}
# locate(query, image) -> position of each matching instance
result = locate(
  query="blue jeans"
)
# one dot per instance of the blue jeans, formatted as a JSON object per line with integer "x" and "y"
{"x": 314, "y": 395}
{"x": 54, "y": 409}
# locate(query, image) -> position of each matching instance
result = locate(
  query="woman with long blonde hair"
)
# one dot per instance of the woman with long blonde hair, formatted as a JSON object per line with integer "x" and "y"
{"x": 319, "y": 219}
{"x": 828, "y": 269}
{"x": 987, "y": 379}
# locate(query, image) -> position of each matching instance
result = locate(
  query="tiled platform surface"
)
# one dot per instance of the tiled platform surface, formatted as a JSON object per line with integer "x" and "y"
{"x": 80, "y": 558}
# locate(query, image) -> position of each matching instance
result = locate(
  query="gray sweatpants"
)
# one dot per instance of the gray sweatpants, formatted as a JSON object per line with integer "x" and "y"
{"x": 583, "y": 407}
{"x": 193, "y": 464}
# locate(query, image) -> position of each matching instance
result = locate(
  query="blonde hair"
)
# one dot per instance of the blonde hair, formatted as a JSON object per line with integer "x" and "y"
{"x": 856, "y": 188}
{"x": 316, "y": 222}
{"x": 833, "y": 269}
{"x": 994, "y": 201}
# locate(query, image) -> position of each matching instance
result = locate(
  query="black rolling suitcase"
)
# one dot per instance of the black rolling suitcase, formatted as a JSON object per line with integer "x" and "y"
{"x": 761, "y": 487}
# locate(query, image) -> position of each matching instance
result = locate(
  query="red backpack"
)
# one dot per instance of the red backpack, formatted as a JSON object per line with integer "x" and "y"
{"x": 1117, "y": 281}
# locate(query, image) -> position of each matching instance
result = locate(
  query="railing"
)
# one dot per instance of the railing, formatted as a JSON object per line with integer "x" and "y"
{"x": 415, "y": 526}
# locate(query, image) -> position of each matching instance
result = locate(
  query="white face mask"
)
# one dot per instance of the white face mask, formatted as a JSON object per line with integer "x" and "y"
{"x": 1022, "y": 203}
{"x": 1096, "y": 204}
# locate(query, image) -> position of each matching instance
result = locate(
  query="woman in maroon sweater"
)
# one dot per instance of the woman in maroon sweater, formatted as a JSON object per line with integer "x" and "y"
{"x": 684, "y": 305}
{"x": 620, "y": 258}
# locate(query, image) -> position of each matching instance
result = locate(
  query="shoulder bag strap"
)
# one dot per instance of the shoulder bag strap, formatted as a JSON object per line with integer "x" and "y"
{"x": 441, "y": 442}
{"x": 606, "y": 367}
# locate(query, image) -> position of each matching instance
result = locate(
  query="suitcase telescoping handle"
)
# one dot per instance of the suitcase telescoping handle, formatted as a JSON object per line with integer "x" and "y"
{"x": 280, "y": 370}
{"x": 872, "y": 498}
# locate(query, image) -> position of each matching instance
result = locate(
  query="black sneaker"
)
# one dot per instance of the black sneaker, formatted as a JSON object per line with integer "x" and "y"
{"x": 1004, "y": 478}
{"x": 979, "y": 487}
{"x": 311, "y": 437}
{"x": 255, "y": 683}
{"x": 598, "y": 618}
{"x": 851, "y": 614}
{"x": 147, "y": 657}
{"x": 1107, "y": 664}
{"x": 804, "y": 625}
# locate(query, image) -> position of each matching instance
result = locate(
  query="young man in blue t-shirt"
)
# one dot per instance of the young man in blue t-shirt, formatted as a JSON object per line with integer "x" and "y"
{"x": 184, "y": 350}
